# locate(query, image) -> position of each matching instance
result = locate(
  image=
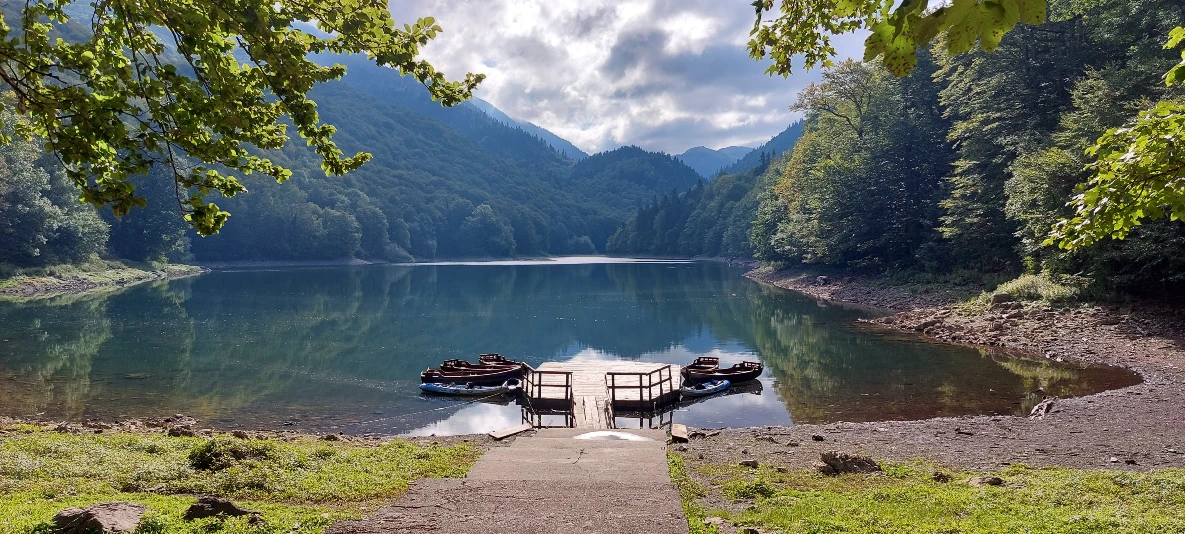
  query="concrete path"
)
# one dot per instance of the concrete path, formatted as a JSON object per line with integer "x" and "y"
{"x": 543, "y": 484}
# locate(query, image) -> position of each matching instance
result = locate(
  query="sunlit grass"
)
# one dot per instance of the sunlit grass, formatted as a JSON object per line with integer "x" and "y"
{"x": 905, "y": 499}
{"x": 42, "y": 472}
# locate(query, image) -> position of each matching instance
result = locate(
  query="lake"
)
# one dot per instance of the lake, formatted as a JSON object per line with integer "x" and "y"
{"x": 341, "y": 348}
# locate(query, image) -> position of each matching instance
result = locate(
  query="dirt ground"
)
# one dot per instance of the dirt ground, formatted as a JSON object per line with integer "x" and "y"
{"x": 1138, "y": 428}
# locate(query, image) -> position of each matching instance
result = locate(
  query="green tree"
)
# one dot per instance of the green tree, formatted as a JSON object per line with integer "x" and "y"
{"x": 208, "y": 80}
{"x": 803, "y": 28}
{"x": 41, "y": 221}
{"x": 487, "y": 233}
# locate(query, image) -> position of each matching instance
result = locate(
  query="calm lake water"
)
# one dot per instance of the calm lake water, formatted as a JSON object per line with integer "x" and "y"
{"x": 341, "y": 348}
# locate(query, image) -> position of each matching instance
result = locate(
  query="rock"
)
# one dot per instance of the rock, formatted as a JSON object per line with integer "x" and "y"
{"x": 214, "y": 506}
{"x": 985, "y": 481}
{"x": 714, "y": 521}
{"x": 332, "y": 437}
{"x": 817, "y": 437}
{"x": 940, "y": 477}
{"x": 750, "y": 530}
{"x": 679, "y": 433}
{"x": 835, "y": 463}
{"x": 753, "y": 464}
{"x": 791, "y": 443}
{"x": 109, "y": 517}
{"x": 240, "y": 434}
{"x": 822, "y": 280}
{"x": 1113, "y": 460}
{"x": 1000, "y": 298}
{"x": 182, "y": 431}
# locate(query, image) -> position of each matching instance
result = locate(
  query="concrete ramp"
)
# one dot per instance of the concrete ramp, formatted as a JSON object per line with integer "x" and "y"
{"x": 543, "y": 484}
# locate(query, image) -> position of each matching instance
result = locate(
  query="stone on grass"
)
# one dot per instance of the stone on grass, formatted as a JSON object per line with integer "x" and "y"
{"x": 940, "y": 477}
{"x": 985, "y": 481}
{"x": 1000, "y": 298}
{"x": 836, "y": 463}
{"x": 108, "y": 517}
{"x": 214, "y": 506}
{"x": 753, "y": 464}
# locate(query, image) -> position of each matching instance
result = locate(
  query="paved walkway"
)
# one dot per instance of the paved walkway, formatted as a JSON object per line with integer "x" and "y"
{"x": 543, "y": 484}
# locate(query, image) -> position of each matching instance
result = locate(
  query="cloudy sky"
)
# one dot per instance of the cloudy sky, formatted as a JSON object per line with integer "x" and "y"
{"x": 665, "y": 75}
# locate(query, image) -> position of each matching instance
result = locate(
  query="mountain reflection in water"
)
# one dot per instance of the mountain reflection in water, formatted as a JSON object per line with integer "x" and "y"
{"x": 341, "y": 348}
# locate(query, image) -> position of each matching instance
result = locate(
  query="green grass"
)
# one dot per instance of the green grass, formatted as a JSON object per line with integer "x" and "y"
{"x": 306, "y": 481}
{"x": 906, "y": 500}
{"x": 38, "y": 282}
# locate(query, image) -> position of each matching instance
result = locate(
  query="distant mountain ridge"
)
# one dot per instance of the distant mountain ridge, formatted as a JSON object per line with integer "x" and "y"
{"x": 708, "y": 162}
{"x": 560, "y": 144}
{"x": 774, "y": 147}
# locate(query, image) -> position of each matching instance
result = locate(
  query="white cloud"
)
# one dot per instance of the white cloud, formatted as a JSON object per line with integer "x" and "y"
{"x": 662, "y": 74}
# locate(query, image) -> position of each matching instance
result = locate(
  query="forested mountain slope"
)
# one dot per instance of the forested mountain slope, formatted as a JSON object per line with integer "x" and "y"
{"x": 444, "y": 182}
{"x": 772, "y": 148}
{"x": 711, "y": 219}
{"x": 627, "y": 177}
{"x": 708, "y": 162}
{"x": 561, "y": 145}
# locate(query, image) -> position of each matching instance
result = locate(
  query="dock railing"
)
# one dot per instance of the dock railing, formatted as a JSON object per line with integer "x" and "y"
{"x": 645, "y": 384}
{"x": 541, "y": 389}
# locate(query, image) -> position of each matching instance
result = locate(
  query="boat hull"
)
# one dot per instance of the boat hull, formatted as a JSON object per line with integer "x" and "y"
{"x": 735, "y": 374}
{"x": 707, "y": 388}
{"x": 466, "y": 390}
{"x": 470, "y": 376}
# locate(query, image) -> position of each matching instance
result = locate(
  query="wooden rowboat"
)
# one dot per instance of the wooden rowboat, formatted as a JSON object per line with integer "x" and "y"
{"x": 740, "y": 372}
{"x": 702, "y": 364}
{"x": 495, "y": 375}
{"x": 480, "y": 366}
{"x": 469, "y": 389}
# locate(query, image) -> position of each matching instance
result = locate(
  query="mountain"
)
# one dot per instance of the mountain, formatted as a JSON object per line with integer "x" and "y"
{"x": 706, "y": 161}
{"x": 442, "y": 183}
{"x": 560, "y": 144}
{"x": 780, "y": 143}
{"x": 625, "y": 178}
{"x": 735, "y": 152}
{"x": 712, "y": 219}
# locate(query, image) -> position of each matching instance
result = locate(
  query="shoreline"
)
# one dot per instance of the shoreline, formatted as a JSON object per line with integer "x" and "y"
{"x": 1141, "y": 427}
{"x": 80, "y": 281}
{"x": 1137, "y": 427}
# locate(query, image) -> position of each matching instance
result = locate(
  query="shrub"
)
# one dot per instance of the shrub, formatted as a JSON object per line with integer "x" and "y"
{"x": 221, "y": 452}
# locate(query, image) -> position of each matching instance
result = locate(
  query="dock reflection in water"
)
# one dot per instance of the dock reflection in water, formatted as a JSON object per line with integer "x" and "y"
{"x": 340, "y": 348}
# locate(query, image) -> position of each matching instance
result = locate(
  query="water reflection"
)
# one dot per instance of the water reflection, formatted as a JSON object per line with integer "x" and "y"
{"x": 340, "y": 348}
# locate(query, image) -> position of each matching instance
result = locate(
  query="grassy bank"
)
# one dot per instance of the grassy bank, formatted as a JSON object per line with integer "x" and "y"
{"x": 26, "y": 283}
{"x": 301, "y": 485}
{"x": 906, "y": 499}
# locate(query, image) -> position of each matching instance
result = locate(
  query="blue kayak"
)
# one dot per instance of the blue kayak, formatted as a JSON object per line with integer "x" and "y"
{"x": 704, "y": 389}
{"x": 469, "y": 389}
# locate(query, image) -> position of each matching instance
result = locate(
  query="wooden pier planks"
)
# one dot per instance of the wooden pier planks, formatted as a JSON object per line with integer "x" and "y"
{"x": 591, "y": 399}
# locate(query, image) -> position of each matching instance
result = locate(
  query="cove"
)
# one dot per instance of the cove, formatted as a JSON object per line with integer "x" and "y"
{"x": 340, "y": 348}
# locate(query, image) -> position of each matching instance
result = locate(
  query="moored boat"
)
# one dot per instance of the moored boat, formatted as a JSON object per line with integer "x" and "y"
{"x": 456, "y": 364}
{"x": 704, "y": 389}
{"x": 470, "y": 389}
{"x": 702, "y": 364}
{"x": 484, "y": 376}
{"x": 740, "y": 372}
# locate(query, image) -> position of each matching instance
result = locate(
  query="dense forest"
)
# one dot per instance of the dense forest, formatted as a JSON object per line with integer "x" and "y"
{"x": 444, "y": 182}
{"x": 712, "y": 219}
{"x": 966, "y": 164}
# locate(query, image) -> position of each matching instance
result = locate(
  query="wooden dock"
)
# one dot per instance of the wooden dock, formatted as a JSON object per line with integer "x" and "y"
{"x": 594, "y": 389}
